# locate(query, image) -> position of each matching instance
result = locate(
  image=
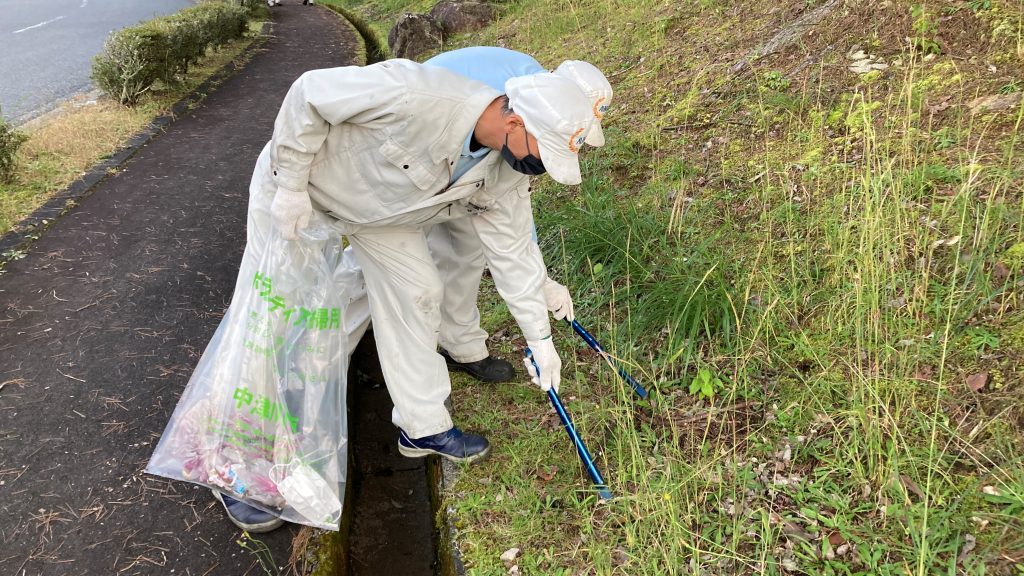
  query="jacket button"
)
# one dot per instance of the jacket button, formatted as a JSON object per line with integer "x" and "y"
{"x": 405, "y": 167}
{"x": 275, "y": 172}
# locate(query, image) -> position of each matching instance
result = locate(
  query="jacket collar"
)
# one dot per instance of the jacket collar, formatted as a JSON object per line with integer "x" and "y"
{"x": 463, "y": 121}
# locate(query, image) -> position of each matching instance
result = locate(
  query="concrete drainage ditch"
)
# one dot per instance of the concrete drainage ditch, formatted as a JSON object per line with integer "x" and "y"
{"x": 391, "y": 525}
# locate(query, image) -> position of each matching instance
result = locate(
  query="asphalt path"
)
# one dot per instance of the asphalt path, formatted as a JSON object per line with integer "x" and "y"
{"x": 48, "y": 47}
{"x": 103, "y": 320}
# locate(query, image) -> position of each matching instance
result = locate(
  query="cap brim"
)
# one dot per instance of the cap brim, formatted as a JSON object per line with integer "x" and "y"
{"x": 561, "y": 164}
{"x": 596, "y": 136}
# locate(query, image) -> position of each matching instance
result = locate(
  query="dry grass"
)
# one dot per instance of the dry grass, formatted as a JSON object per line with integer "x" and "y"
{"x": 81, "y": 132}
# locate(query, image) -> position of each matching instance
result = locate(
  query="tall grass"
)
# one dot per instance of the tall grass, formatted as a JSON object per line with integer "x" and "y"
{"x": 834, "y": 253}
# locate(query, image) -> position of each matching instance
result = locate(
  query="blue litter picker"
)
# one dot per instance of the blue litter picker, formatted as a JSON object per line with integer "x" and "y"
{"x": 588, "y": 462}
{"x": 592, "y": 342}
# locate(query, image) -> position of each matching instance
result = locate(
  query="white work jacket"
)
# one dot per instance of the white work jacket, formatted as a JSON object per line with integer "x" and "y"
{"x": 376, "y": 146}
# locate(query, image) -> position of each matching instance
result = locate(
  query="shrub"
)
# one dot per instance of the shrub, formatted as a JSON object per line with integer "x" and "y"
{"x": 186, "y": 44}
{"x": 256, "y": 8}
{"x": 219, "y": 22}
{"x": 134, "y": 58}
{"x": 131, "y": 61}
{"x": 10, "y": 141}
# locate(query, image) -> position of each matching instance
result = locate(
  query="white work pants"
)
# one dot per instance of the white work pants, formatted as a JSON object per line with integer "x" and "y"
{"x": 459, "y": 259}
{"x": 405, "y": 292}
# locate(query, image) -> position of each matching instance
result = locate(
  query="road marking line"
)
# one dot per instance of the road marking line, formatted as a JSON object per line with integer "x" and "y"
{"x": 37, "y": 25}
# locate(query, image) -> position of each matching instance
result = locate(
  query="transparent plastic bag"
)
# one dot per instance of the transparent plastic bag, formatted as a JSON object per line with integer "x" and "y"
{"x": 263, "y": 418}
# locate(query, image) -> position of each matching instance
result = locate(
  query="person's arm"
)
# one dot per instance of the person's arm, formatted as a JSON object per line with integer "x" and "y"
{"x": 316, "y": 101}
{"x": 519, "y": 275}
{"x": 515, "y": 261}
{"x": 320, "y": 99}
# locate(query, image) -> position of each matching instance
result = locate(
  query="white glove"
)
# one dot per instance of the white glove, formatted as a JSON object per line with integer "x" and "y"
{"x": 290, "y": 212}
{"x": 547, "y": 361}
{"x": 559, "y": 301}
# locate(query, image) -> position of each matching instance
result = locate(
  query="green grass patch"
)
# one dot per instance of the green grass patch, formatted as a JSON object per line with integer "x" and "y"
{"x": 812, "y": 268}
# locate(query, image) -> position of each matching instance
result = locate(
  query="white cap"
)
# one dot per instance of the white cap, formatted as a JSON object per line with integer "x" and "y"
{"x": 558, "y": 115}
{"x": 597, "y": 89}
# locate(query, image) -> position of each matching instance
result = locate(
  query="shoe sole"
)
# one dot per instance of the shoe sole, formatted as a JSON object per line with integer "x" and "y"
{"x": 260, "y": 528}
{"x": 422, "y": 452}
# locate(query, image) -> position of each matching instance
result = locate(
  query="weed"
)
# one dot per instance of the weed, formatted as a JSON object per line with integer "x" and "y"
{"x": 261, "y": 552}
{"x": 13, "y": 255}
{"x": 10, "y": 141}
{"x": 705, "y": 384}
{"x": 925, "y": 28}
{"x": 774, "y": 80}
{"x": 1011, "y": 87}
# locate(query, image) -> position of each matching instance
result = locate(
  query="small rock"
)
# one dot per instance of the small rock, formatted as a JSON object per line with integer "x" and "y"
{"x": 509, "y": 556}
{"x": 995, "y": 103}
{"x": 867, "y": 65}
{"x": 456, "y": 17}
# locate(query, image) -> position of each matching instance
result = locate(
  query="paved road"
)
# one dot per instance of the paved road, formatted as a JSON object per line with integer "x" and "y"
{"x": 103, "y": 320}
{"x": 48, "y": 47}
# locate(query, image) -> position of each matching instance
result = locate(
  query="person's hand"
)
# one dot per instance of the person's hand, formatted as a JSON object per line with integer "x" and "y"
{"x": 548, "y": 362}
{"x": 290, "y": 212}
{"x": 559, "y": 301}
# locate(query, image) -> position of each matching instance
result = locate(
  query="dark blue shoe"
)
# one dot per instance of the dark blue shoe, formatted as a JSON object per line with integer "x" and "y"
{"x": 247, "y": 517}
{"x": 452, "y": 444}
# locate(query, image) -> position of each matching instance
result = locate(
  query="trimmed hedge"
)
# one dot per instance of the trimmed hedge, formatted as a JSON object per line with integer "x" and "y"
{"x": 10, "y": 141}
{"x": 134, "y": 58}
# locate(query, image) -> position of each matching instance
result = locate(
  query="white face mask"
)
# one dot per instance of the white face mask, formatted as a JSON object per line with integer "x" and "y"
{"x": 308, "y": 493}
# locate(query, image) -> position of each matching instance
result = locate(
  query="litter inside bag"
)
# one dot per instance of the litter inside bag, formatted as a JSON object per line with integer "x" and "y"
{"x": 262, "y": 418}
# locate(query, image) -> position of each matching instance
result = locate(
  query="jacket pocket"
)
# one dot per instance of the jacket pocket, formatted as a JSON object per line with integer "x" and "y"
{"x": 395, "y": 176}
{"x": 401, "y": 159}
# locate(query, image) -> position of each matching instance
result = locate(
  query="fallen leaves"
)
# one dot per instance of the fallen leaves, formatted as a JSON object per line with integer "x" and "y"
{"x": 977, "y": 382}
{"x": 924, "y": 373}
{"x": 969, "y": 544}
{"x": 1000, "y": 273}
{"x": 946, "y": 242}
{"x": 912, "y": 486}
{"x": 547, "y": 473}
{"x": 940, "y": 107}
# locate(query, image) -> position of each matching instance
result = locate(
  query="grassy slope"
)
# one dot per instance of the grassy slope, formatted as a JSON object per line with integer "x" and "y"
{"x": 832, "y": 255}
